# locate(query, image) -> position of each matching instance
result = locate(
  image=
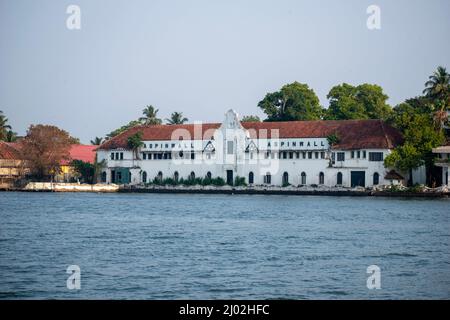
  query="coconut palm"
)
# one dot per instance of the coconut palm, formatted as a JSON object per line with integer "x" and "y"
{"x": 438, "y": 85}
{"x": 150, "y": 116}
{"x": 176, "y": 118}
{"x": 437, "y": 89}
{"x": 11, "y": 136}
{"x": 97, "y": 141}
{"x": 4, "y": 127}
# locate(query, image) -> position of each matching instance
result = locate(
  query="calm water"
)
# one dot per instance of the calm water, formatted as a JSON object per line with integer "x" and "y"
{"x": 148, "y": 246}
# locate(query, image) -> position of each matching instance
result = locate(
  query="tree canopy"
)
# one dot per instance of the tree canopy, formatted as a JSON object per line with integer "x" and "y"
{"x": 416, "y": 119}
{"x": 150, "y": 116}
{"x": 177, "y": 118}
{"x": 45, "y": 147}
{"x": 251, "y": 119}
{"x": 295, "y": 101}
{"x": 366, "y": 101}
{"x": 5, "y": 129}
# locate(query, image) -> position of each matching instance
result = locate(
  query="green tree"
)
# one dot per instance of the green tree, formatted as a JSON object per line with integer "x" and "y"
{"x": 4, "y": 126}
{"x": 97, "y": 141}
{"x": 134, "y": 142}
{"x": 11, "y": 136}
{"x": 176, "y": 118}
{"x": 437, "y": 89}
{"x": 150, "y": 116}
{"x": 85, "y": 170}
{"x": 420, "y": 135}
{"x": 366, "y": 101}
{"x": 251, "y": 119}
{"x": 124, "y": 128}
{"x": 438, "y": 85}
{"x": 295, "y": 101}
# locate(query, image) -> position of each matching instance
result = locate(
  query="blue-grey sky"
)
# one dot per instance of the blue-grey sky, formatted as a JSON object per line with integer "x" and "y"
{"x": 204, "y": 57}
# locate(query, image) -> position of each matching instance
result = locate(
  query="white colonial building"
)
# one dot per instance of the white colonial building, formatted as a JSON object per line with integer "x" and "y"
{"x": 266, "y": 153}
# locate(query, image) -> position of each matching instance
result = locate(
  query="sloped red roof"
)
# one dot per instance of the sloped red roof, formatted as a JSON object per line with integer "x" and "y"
{"x": 353, "y": 134}
{"x": 393, "y": 175}
{"x": 81, "y": 152}
{"x": 9, "y": 151}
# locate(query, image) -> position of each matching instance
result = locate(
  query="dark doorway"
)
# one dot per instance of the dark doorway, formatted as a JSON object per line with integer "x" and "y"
{"x": 251, "y": 178}
{"x": 358, "y": 179}
{"x": 230, "y": 177}
{"x": 113, "y": 176}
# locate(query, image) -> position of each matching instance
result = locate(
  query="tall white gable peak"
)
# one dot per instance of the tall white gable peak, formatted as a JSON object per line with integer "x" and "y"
{"x": 231, "y": 120}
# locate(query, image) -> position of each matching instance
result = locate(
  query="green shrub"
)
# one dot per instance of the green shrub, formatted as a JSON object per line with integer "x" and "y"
{"x": 239, "y": 182}
{"x": 219, "y": 182}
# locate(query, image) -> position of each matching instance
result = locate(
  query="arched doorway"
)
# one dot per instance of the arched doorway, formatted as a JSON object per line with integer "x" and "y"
{"x": 303, "y": 178}
{"x": 144, "y": 177}
{"x": 376, "y": 179}
{"x": 251, "y": 178}
{"x": 285, "y": 178}
{"x": 339, "y": 179}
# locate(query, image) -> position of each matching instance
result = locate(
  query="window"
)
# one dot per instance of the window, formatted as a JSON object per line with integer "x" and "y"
{"x": 316, "y": 154}
{"x": 144, "y": 177}
{"x": 251, "y": 178}
{"x": 230, "y": 147}
{"x": 304, "y": 155}
{"x": 364, "y": 154}
{"x": 180, "y": 154}
{"x": 340, "y": 156}
{"x": 303, "y": 178}
{"x": 376, "y": 179}
{"x": 291, "y": 155}
{"x": 192, "y": 155}
{"x": 192, "y": 175}
{"x": 160, "y": 176}
{"x": 375, "y": 156}
{"x": 121, "y": 156}
{"x": 208, "y": 175}
{"x": 339, "y": 179}
{"x": 321, "y": 178}
{"x": 358, "y": 154}
{"x": 144, "y": 156}
{"x": 322, "y": 155}
{"x": 309, "y": 155}
{"x": 112, "y": 156}
{"x": 285, "y": 178}
{"x": 353, "y": 155}
{"x": 267, "y": 178}
{"x": 117, "y": 156}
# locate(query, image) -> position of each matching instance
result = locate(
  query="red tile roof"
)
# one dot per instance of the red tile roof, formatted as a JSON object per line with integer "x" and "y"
{"x": 9, "y": 151}
{"x": 81, "y": 152}
{"x": 353, "y": 134}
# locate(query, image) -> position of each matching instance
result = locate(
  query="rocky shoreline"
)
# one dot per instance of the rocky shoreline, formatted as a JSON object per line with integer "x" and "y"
{"x": 422, "y": 192}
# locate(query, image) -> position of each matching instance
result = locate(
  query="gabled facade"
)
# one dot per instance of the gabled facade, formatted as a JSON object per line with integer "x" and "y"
{"x": 267, "y": 153}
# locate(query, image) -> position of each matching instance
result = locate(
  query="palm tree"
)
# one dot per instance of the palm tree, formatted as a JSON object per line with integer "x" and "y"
{"x": 150, "y": 116}
{"x": 177, "y": 118}
{"x": 437, "y": 89}
{"x": 97, "y": 141}
{"x": 11, "y": 136}
{"x": 134, "y": 143}
{"x": 4, "y": 127}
